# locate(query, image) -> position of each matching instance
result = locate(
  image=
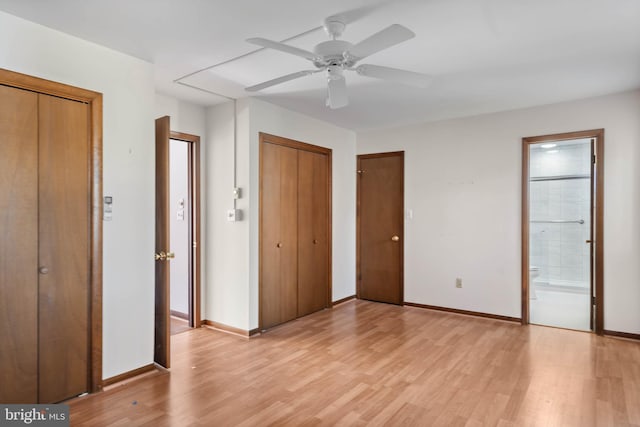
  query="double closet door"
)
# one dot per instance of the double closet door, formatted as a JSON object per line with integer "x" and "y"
{"x": 295, "y": 223}
{"x": 44, "y": 247}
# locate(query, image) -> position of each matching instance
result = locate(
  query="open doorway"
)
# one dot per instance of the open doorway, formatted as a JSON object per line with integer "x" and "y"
{"x": 562, "y": 230}
{"x": 180, "y": 225}
{"x": 184, "y": 230}
{"x": 177, "y": 288}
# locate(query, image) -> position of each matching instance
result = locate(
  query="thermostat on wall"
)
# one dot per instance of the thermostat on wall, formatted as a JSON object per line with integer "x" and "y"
{"x": 107, "y": 213}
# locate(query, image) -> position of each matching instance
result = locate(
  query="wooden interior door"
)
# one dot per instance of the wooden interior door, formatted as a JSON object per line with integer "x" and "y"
{"x": 278, "y": 229}
{"x": 18, "y": 246}
{"x": 380, "y": 227}
{"x": 162, "y": 330}
{"x": 64, "y": 248}
{"x": 313, "y": 231}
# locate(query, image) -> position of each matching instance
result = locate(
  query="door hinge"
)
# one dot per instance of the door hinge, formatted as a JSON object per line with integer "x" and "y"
{"x": 594, "y": 159}
{"x": 593, "y": 300}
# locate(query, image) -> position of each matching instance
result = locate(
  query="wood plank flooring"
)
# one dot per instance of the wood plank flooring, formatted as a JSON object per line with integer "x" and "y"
{"x": 365, "y": 363}
{"x": 179, "y": 325}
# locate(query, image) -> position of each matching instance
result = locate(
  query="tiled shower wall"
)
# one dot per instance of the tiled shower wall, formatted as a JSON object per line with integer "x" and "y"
{"x": 560, "y": 250}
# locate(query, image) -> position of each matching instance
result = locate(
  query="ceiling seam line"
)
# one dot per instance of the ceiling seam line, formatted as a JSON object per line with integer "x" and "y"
{"x": 206, "y": 90}
{"x": 245, "y": 55}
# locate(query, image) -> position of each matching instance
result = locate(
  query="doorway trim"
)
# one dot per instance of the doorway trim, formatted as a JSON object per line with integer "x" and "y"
{"x": 195, "y": 319}
{"x": 94, "y": 101}
{"x": 597, "y": 188}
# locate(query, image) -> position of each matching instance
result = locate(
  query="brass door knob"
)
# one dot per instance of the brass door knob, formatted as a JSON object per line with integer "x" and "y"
{"x": 395, "y": 238}
{"x": 315, "y": 241}
{"x": 170, "y": 255}
{"x": 161, "y": 256}
{"x": 278, "y": 245}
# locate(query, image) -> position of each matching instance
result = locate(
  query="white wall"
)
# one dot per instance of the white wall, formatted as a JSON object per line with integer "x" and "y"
{"x": 185, "y": 116}
{"x": 128, "y": 173}
{"x": 227, "y": 243}
{"x": 232, "y": 295}
{"x": 463, "y": 180}
{"x": 179, "y": 239}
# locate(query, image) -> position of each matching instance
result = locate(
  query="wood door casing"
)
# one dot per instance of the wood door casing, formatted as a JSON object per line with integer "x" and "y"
{"x": 380, "y": 212}
{"x": 313, "y": 231}
{"x": 18, "y": 245}
{"x": 64, "y": 248}
{"x": 279, "y": 216}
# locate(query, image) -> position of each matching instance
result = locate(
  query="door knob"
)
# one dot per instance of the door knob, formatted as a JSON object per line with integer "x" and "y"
{"x": 161, "y": 256}
{"x": 278, "y": 245}
{"x": 589, "y": 241}
{"x": 170, "y": 255}
{"x": 43, "y": 270}
{"x": 315, "y": 241}
{"x": 395, "y": 238}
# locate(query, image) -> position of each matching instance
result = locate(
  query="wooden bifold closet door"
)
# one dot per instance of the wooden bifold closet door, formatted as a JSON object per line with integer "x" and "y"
{"x": 313, "y": 233}
{"x": 279, "y": 250}
{"x": 294, "y": 229}
{"x": 44, "y": 249}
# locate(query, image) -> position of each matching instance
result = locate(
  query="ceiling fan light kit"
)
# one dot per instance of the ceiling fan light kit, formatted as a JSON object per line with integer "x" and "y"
{"x": 335, "y": 56}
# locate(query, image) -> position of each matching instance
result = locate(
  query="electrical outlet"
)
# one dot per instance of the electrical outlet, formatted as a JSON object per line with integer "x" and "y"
{"x": 458, "y": 282}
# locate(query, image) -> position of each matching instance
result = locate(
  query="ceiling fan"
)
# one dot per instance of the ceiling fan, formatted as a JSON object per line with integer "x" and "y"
{"x": 335, "y": 56}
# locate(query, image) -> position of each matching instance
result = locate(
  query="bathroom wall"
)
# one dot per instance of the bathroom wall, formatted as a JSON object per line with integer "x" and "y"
{"x": 559, "y": 250}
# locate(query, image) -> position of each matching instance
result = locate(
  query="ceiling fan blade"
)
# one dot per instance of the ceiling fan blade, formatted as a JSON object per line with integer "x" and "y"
{"x": 353, "y": 15}
{"x": 393, "y": 74}
{"x": 279, "y": 80}
{"x": 337, "y": 95}
{"x": 283, "y": 48}
{"x": 390, "y": 36}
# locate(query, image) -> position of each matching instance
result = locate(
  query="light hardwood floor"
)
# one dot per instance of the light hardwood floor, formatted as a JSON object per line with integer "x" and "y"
{"x": 179, "y": 325}
{"x": 364, "y": 363}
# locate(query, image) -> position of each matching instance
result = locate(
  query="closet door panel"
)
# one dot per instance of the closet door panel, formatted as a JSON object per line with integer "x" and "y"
{"x": 18, "y": 245}
{"x": 278, "y": 243}
{"x": 64, "y": 199}
{"x": 289, "y": 232}
{"x": 313, "y": 231}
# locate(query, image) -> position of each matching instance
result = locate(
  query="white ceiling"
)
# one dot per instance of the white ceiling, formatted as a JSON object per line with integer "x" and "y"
{"x": 484, "y": 55}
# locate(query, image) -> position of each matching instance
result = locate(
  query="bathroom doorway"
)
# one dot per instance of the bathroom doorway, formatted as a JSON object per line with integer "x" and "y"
{"x": 562, "y": 280}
